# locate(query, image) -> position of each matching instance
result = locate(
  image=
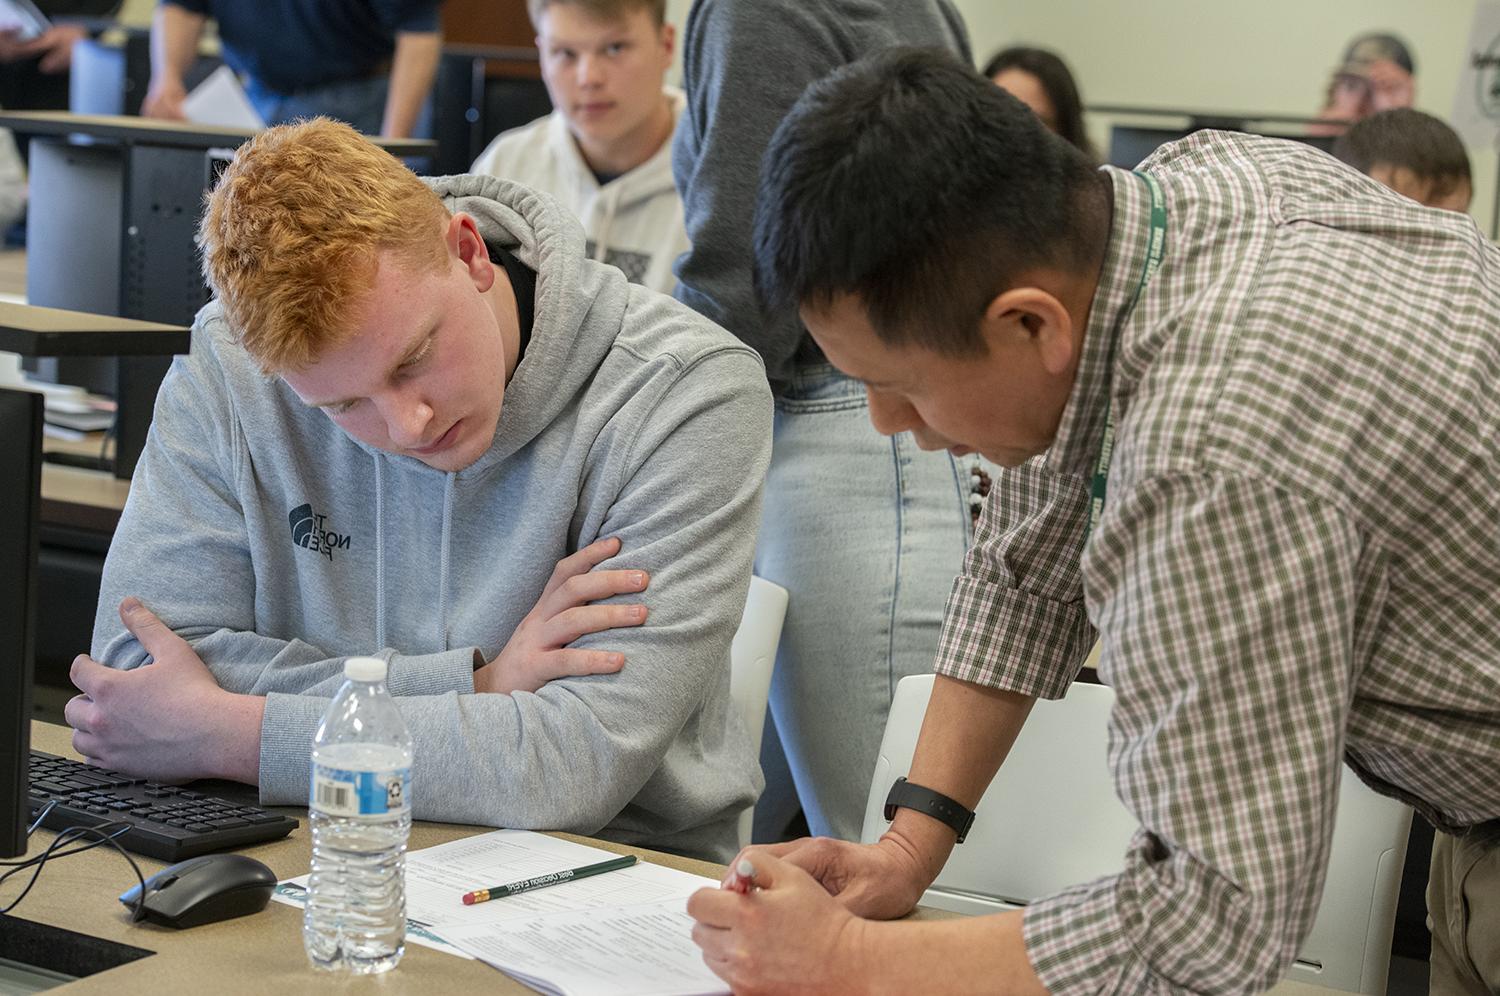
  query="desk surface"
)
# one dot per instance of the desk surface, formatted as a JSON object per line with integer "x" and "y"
{"x": 13, "y": 275}
{"x": 253, "y": 955}
{"x": 88, "y": 499}
{"x": 74, "y": 496}
{"x": 151, "y": 131}
{"x": 85, "y": 499}
{"x": 36, "y": 331}
{"x": 263, "y": 953}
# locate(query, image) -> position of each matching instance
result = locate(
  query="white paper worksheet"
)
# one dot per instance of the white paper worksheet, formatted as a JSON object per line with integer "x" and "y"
{"x": 438, "y": 877}
{"x": 624, "y": 931}
{"x": 644, "y": 950}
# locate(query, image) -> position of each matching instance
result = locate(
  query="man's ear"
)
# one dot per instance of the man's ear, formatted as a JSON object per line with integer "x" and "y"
{"x": 669, "y": 39}
{"x": 1032, "y": 318}
{"x": 467, "y": 246}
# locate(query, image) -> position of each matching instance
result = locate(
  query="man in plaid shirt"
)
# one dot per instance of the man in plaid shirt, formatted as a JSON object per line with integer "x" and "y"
{"x": 1286, "y": 539}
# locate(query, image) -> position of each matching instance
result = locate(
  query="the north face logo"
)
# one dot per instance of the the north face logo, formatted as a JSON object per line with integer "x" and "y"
{"x": 309, "y": 532}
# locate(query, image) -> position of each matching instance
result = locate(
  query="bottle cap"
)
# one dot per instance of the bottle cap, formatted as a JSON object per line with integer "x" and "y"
{"x": 364, "y": 669}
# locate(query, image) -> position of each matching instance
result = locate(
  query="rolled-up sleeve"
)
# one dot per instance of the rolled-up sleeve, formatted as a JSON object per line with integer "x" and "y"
{"x": 1015, "y": 618}
{"x": 1226, "y": 612}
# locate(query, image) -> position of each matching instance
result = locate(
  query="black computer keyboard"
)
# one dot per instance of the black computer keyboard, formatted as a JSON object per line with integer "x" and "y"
{"x": 166, "y": 822}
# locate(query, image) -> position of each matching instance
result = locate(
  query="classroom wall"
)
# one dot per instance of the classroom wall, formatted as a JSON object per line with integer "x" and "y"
{"x": 1270, "y": 56}
{"x": 1267, "y": 56}
{"x": 135, "y": 13}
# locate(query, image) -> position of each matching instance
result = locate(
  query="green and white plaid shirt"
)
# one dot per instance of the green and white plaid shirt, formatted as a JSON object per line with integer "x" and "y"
{"x": 1298, "y": 562}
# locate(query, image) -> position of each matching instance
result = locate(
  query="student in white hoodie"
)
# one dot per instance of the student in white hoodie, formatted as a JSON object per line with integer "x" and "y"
{"x": 605, "y": 150}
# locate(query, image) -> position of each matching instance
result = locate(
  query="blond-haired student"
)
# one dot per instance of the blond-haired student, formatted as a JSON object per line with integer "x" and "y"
{"x": 605, "y": 150}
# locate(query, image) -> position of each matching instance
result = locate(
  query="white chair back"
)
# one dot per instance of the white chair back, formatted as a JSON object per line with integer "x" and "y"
{"x": 752, "y": 657}
{"x": 1051, "y": 819}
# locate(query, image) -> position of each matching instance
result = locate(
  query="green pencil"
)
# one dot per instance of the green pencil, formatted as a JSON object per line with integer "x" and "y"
{"x": 541, "y": 881}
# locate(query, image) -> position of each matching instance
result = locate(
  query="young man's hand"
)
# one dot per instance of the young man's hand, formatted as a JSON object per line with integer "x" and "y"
{"x": 538, "y": 651}
{"x": 167, "y": 720}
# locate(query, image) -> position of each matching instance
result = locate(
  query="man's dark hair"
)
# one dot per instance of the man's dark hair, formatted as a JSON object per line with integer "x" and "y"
{"x": 1406, "y": 139}
{"x": 918, "y": 186}
{"x": 1057, "y": 82}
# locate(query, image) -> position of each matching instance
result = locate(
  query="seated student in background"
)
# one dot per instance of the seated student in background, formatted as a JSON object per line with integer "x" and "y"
{"x": 406, "y": 406}
{"x": 605, "y": 150}
{"x": 370, "y": 63}
{"x": 1414, "y": 154}
{"x": 1376, "y": 74}
{"x": 1042, "y": 81}
{"x": 1248, "y": 401}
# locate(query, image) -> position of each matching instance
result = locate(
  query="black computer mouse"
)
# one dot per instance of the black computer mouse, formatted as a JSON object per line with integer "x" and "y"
{"x": 204, "y": 890}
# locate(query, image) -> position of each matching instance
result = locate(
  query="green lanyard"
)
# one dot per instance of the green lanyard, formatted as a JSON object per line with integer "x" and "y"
{"x": 1154, "y": 251}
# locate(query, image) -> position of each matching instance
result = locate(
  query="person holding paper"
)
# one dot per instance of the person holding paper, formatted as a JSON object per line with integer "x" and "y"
{"x": 413, "y": 419}
{"x": 1247, "y": 401}
{"x": 34, "y": 67}
{"x": 370, "y": 63}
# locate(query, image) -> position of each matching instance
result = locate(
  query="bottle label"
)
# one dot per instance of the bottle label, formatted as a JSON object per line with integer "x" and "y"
{"x": 337, "y": 792}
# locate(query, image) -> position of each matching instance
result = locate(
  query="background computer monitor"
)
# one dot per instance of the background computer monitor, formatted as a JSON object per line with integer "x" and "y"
{"x": 20, "y": 496}
{"x": 1130, "y": 144}
{"x": 480, "y": 91}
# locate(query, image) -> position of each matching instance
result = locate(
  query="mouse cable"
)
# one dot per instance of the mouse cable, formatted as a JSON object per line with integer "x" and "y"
{"x": 68, "y": 836}
{"x": 40, "y": 817}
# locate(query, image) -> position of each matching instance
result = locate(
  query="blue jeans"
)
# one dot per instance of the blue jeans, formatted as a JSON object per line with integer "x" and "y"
{"x": 360, "y": 103}
{"x": 866, "y": 532}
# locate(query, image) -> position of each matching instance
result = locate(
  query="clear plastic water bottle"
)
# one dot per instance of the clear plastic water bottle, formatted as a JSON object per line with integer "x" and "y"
{"x": 360, "y": 812}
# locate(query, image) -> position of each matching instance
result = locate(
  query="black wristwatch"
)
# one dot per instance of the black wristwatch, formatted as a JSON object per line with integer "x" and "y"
{"x": 934, "y": 804}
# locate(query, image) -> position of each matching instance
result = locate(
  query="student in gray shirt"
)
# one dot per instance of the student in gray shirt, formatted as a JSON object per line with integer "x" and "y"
{"x": 408, "y": 402}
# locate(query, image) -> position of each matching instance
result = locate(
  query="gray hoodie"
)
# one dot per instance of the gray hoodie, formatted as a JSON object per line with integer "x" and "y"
{"x": 277, "y": 545}
{"x": 744, "y": 64}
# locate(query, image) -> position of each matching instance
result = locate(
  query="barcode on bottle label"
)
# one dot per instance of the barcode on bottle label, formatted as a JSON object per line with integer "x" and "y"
{"x": 338, "y": 792}
{"x": 334, "y": 796}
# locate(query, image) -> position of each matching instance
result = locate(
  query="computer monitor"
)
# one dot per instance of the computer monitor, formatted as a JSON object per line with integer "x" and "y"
{"x": 20, "y": 497}
{"x": 480, "y": 91}
{"x": 1129, "y": 145}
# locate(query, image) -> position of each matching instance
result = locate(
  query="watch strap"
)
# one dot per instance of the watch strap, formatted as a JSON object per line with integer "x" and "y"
{"x": 908, "y": 795}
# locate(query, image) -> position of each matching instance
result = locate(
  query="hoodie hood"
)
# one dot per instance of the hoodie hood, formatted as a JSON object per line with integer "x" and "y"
{"x": 559, "y": 361}
{"x": 557, "y": 364}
